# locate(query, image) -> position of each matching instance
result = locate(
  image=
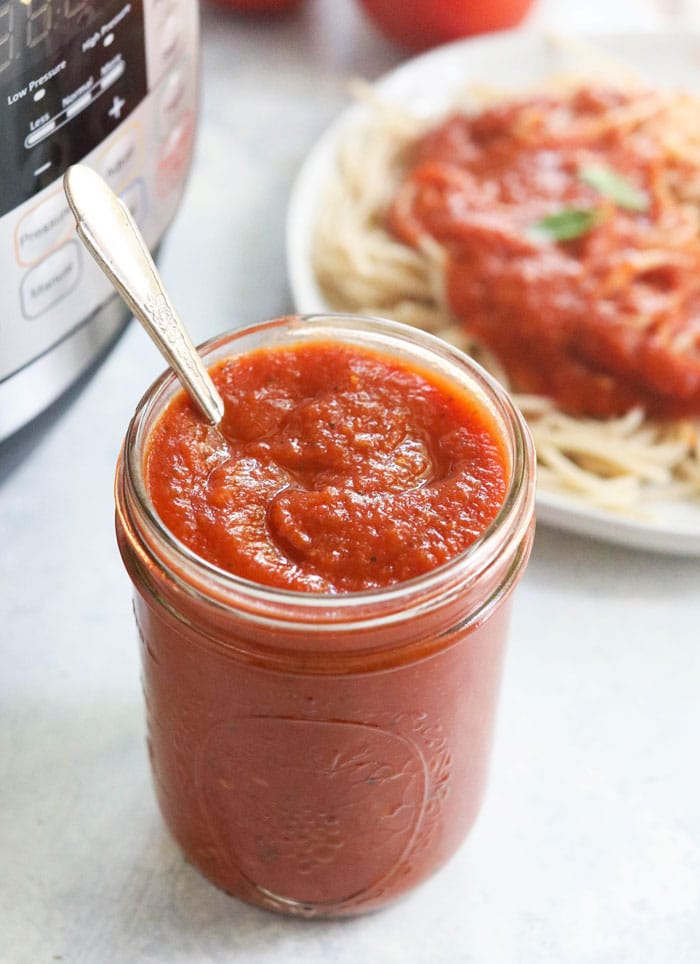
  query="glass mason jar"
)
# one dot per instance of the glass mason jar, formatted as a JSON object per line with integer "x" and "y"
{"x": 316, "y": 754}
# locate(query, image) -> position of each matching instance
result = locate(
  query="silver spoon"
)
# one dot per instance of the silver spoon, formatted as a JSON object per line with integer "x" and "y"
{"x": 108, "y": 231}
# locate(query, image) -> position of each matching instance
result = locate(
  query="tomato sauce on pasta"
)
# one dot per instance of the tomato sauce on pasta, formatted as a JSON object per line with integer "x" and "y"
{"x": 572, "y": 250}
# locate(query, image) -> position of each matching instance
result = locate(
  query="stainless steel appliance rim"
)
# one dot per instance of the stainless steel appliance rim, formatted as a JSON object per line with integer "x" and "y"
{"x": 31, "y": 390}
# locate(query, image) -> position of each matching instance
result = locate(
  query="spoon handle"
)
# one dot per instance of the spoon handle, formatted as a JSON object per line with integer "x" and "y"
{"x": 110, "y": 234}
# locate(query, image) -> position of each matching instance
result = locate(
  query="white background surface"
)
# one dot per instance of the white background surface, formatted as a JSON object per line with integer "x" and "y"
{"x": 588, "y": 848}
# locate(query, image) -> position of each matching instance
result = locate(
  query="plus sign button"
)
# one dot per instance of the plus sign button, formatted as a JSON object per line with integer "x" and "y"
{"x": 115, "y": 110}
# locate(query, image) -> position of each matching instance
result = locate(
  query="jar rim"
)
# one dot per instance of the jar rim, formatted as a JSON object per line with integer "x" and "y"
{"x": 192, "y": 571}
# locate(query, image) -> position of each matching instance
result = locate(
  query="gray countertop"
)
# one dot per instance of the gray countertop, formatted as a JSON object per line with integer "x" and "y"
{"x": 588, "y": 847}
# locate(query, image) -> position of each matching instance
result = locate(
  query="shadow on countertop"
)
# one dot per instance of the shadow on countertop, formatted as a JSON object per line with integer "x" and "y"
{"x": 19, "y": 446}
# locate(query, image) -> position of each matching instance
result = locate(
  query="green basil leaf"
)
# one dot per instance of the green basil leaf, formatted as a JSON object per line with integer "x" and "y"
{"x": 614, "y": 186}
{"x": 567, "y": 224}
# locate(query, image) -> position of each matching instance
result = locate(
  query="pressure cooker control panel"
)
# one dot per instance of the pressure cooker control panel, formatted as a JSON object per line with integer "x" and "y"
{"x": 106, "y": 82}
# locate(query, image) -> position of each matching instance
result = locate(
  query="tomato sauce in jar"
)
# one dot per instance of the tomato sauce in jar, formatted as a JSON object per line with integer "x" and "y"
{"x": 322, "y": 596}
{"x": 338, "y": 469}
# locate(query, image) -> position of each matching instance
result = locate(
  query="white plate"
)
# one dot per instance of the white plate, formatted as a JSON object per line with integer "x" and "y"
{"x": 428, "y": 84}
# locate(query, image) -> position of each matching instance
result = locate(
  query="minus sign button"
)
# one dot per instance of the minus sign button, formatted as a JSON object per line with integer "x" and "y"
{"x": 40, "y": 170}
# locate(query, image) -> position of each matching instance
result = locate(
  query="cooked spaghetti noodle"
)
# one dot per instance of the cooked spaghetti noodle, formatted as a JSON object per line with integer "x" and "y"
{"x": 647, "y": 253}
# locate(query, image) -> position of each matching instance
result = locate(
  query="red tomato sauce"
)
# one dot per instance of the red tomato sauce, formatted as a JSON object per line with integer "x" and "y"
{"x": 339, "y": 470}
{"x": 600, "y": 322}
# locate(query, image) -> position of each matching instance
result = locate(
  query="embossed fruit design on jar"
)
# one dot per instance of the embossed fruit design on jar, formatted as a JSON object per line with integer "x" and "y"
{"x": 322, "y": 598}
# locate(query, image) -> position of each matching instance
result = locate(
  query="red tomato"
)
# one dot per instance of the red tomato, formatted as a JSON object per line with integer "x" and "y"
{"x": 259, "y": 6}
{"x": 419, "y": 24}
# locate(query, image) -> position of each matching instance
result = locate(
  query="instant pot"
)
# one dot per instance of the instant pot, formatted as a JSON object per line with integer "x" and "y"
{"x": 110, "y": 83}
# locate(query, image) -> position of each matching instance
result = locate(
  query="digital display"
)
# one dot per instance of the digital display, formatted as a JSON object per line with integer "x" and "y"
{"x": 70, "y": 72}
{"x": 32, "y": 29}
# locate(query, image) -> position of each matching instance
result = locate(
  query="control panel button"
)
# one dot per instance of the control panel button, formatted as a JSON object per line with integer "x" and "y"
{"x": 175, "y": 155}
{"x": 169, "y": 37}
{"x": 162, "y": 8}
{"x": 134, "y": 196}
{"x": 171, "y": 101}
{"x": 120, "y": 162}
{"x": 42, "y": 228}
{"x": 50, "y": 280}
